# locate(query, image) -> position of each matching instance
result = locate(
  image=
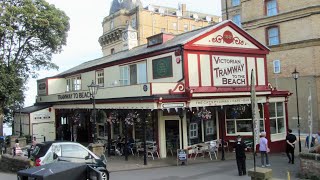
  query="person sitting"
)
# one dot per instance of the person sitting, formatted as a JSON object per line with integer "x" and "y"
{"x": 34, "y": 142}
{"x": 313, "y": 139}
{"x": 17, "y": 149}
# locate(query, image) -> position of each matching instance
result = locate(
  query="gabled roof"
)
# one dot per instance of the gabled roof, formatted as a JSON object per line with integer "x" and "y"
{"x": 178, "y": 40}
{"x": 32, "y": 109}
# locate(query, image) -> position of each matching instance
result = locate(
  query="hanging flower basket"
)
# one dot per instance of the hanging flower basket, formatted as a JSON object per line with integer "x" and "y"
{"x": 204, "y": 114}
{"x": 113, "y": 118}
{"x": 129, "y": 120}
{"x": 101, "y": 116}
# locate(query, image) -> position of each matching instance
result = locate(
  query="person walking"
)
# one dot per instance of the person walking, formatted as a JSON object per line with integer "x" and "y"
{"x": 291, "y": 139}
{"x": 240, "y": 148}
{"x": 264, "y": 150}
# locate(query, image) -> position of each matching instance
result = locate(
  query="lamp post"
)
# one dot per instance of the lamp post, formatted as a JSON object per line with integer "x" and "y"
{"x": 295, "y": 75}
{"x": 93, "y": 89}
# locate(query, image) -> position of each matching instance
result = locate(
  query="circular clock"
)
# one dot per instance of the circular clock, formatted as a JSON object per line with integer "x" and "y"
{"x": 133, "y": 36}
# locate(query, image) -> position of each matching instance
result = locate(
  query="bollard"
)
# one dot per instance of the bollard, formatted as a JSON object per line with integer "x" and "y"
{"x": 288, "y": 175}
{"x": 44, "y": 139}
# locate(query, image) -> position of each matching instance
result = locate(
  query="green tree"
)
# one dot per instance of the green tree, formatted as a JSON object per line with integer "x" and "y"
{"x": 31, "y": 31}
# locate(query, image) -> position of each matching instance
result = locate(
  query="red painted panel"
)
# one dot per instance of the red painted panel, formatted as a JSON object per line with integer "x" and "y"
{"x": 262, "y": 48}
{"x": 186, "y": 68}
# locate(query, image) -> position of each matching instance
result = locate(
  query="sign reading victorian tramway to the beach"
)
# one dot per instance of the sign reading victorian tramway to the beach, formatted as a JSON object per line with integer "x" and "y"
{"x": 229, "y": 71}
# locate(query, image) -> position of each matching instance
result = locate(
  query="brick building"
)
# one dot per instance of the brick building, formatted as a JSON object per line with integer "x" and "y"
{"x": 144, "y": 22}
{"x": 290, "y": 28}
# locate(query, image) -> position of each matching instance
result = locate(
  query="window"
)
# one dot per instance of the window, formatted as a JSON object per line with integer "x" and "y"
{"x": 133, "y": 22}
{"x": 112, "y": 51}
{"x": 124, "y": 75}
{"x": 277, "y": 118}
{"x": 185, "y": 27}
{"x": 163, "y": 30}
{"x": 276, "y": 66}
{"x": 193, "y": 130}
{"x": 76, "y": 86}
{"x": 100, "y": 78}
{"x": 235, "y": 2}
{"x": 273, "y": 36}
{"x": 133, "y": 74}
{"x": 209, "y": 127}
{"x": 271, "y": 8}
{"x": 239, "y": 119}
{"x": 237, "y": 19}
{"x": 73, "y": 151}
{"x": 68, "y": 85}
{"x": 193, "y": 27}
{"x": 111, "y": 24}
{"x": 73, "y": 84}
{"x": 174, "y": 26}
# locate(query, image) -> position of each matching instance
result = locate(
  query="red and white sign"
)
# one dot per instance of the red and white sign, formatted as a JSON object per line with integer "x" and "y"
{"x": 226, "y": 37}
{"x": 229, "y": 71}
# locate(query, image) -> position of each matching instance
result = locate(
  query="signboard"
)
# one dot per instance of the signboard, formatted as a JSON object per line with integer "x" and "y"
{"x": 224, "y": 101}
{"x": 76, "y": 95}
{"x": 42, "y": 88}
{"x": 162, "y": 67}
{"x": 172, "y": 105}
{"x": 229, "y": 71}
{"x": 182, "y": 157}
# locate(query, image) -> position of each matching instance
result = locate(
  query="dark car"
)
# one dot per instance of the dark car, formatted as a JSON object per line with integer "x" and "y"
{"x": 53, "y": 151}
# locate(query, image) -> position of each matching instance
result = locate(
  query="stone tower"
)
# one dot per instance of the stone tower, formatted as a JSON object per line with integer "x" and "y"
{"x": 124, "y": 4}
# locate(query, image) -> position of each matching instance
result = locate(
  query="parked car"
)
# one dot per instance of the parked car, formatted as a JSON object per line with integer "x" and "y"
{"x": 53, "y": 151}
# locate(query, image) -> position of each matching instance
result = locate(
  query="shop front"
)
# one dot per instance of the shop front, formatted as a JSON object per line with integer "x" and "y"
{"x": 173, "y": 93}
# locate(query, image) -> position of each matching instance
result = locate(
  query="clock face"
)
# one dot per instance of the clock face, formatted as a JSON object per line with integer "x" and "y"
{"x": 133, "y": 35}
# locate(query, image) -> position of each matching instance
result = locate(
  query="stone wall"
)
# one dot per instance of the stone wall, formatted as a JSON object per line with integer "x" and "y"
{"x": 310, "y": 164}
{"x": 8, "y": 163}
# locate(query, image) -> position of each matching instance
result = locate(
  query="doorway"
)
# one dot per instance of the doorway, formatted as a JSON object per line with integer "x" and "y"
{"x": 172, "y": 136}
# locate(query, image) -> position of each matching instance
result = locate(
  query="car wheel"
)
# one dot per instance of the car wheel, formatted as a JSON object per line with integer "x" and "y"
{"x": 104, "y": 174}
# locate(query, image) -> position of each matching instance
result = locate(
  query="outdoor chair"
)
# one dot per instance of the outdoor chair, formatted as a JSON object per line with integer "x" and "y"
{"x": 196, "y": 151}
{"x": 213, "y": 149}
{"x": 170, "y": 148}
{"x": 153, "y": 150}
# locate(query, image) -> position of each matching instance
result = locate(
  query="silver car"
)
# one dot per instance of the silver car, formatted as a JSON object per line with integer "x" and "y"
{"x": 53, "y": 151}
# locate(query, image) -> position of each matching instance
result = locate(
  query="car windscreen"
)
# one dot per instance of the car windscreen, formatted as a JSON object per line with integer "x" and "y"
{"x": 40, "y": 150}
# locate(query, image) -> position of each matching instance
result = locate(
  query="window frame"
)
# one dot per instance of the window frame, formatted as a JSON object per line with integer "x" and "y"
{"x": 193, "y": 129}
{"x": 139, "y": 74}
{"x": 174, "y": 26}
{"x": 185, "y": 28}
{"x": 268, "y": 37}
{"x": 239, "y": 20}
{"x": 100, "y": 77}
{"x": 266, "y": 7}
{"x": 277, "y": 118}
{"x": 76, "y": 86}
{"x": 235, "y": 3}
{"x": 236, "y": 132}
{"x": 277, "y": 61}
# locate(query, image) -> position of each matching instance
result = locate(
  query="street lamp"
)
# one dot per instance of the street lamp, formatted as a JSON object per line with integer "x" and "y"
{"x": 295, "y": 75}
{"x": 93, "y": 89}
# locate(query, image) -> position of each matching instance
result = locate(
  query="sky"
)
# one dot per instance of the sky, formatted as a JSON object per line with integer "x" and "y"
{"x": 86, "y": 28}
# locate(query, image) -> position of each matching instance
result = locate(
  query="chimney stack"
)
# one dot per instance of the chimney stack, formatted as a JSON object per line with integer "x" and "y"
{"x": 184, "y": 9}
